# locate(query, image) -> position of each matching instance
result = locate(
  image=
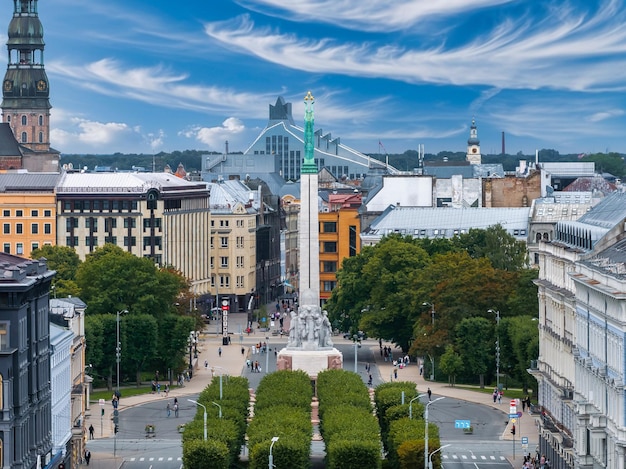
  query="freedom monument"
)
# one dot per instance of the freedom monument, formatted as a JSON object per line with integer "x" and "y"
{"x": 309, "y": 347}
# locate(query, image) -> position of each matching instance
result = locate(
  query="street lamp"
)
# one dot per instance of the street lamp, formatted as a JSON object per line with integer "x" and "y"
{"x": 430, "y": 456}
{"x": 271, "y": 459}
{"x": 426, "y": 430}
{"x": 497, "y": 313}
{"x": 219, "y": 409}
{"x": 357, "y": 344}
{"x": 204, "y": 407}
{"x": 118, "y": 347}
{"x": 267, "y": 354}
{"x": 432, "y": 310}
{"x": 411, "y": 404}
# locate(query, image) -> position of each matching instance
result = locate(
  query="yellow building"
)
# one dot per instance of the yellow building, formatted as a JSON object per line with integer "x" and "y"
{"x": 28, "y": 204}
{"x": 340, "y": 226}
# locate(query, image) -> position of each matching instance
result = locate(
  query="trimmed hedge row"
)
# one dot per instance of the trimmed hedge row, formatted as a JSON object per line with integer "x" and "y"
{"x": 225, "y": 435}
{"x": 403, "y": 438}
{"x": 346, "y": 421}
{"x": 282, "y": 409}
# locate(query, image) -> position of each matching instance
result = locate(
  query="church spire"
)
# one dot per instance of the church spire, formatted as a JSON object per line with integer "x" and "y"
{"x": 309, "y": 165}
{"x": 473, "y": 145}
{"x": 25, "y": 89}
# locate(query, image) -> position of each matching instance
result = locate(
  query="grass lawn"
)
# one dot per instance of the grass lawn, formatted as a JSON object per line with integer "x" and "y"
{"x": 126, "y": 392}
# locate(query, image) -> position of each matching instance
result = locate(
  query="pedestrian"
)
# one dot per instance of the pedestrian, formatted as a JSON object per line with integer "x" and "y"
{"x": 243, "y": 351}
{"x": 87, "y": 456}
{"x": 167, "y": 390}
{"x": 500, "y": 397}
{"x": 158, "y": 389}
{"x": 169, "y": 409}
{"x": 370, "y": 380}
{"x": 421, "y": 370}
{"x": 524, "y": 404}
{"x": 429, "y": 393}
{"x": 175, "y": 410}
{"x": 91, "y": 432}
{"x": 219, "y": 351}
{"x": 395, "y": 373}
{"x": 495, "y": 395}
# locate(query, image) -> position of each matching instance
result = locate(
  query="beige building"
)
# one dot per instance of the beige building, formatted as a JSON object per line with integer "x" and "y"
{"x": 155, "y": 215}
{"x": 234, "y": 210}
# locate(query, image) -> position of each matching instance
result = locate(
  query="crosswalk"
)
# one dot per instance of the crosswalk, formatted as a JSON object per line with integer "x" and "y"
{"x": 473, "y": 457}
{"x": 153, "y": 459}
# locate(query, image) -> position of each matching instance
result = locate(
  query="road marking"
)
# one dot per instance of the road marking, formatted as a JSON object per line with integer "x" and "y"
{"x": 483, "y": 457}
{"x": 463, "y": 456}
{"x": 493, "y": 458}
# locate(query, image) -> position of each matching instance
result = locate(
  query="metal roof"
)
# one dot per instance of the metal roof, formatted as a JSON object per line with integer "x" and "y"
{"x": 446, "y": 222}
{"x": 27, "y": 182}
{"x": 129, "y": 182}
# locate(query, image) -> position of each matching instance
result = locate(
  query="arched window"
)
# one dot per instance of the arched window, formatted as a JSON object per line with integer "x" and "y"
{"x": 24, "y": 121}
{"x": 545, "y": 236}
{"x": 40, "y": 137}
{"x": 40, "y": 120}
{"x": 9, "y": 118}
{"x": 24, "y": 137}
{"x": 538, "y": 237}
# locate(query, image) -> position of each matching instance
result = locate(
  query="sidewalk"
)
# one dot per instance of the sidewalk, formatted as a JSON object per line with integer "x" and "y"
{"x": 525, "y": 426}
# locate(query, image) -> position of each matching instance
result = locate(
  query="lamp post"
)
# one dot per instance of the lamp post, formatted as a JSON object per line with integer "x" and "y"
{"x": 426, "y": 430}
{"x": 357, "y": 344}
{"x": 219, "y": 409}
{"x": 118, "y": 347}
{"x": 204, "y": 407}
{"x": 267, "y": 354}
{"x": 411, "y": 404}
{"x": 497, "y": 313}
{"x": 430, "y": 456}
{"x": 432, "y": 310}
{"x": 213, "y": 368}
{"x": 271, "y": 458}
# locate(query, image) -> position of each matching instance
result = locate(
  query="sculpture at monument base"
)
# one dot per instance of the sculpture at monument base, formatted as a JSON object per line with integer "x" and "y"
{"x": 309, "y": 329}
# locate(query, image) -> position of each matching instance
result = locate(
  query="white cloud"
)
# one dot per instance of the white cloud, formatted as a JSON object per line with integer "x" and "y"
{"x": 214, "y": 137}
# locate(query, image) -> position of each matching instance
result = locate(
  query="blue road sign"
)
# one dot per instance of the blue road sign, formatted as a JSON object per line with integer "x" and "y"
{"x": 524, "y": 440}
{"x": 513, "y": 416}
{"x": 462, "y": 424}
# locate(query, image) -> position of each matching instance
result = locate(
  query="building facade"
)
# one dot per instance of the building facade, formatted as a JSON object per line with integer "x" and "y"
{"x": 28, "y": 202}
{"x": 234, "y": 212}
{"x": 154, "y": 215}
{"x": 61, "y": 391}
{"x": 26, "y": 427}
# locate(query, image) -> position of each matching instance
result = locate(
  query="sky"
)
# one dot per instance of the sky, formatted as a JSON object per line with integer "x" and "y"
{"x": 145, "y": 76}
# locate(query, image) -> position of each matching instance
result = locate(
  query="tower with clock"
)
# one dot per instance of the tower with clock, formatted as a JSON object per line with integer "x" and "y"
{"x": 25, "y": 89}
{"x": 473, "y": 145}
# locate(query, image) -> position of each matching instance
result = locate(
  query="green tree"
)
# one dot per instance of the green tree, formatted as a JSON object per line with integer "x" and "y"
{"x": 100, "y": 334}
{"x": 140, "y": 341}
{"x": 65, "y": 262}
{"x": 473, "y": 339}
{"x": 494, "y": 243}
{"x": 451, "y": 364}
{"x": 612, "y": 163}
{"x": 523, "y": 337}
{"x": 173, "y": 333}
{"x": 112, "y": 279}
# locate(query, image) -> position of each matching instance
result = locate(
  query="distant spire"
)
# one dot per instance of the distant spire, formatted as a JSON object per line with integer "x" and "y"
{"x": 309, "y": 165}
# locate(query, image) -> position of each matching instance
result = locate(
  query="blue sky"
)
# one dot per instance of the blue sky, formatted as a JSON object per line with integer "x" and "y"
{"x": 152, "y": 75}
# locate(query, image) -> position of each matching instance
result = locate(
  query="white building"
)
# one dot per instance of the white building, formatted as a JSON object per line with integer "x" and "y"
{"x": 61, "y": 387}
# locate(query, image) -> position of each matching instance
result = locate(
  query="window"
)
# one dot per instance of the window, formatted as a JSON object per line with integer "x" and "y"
{"x": 224, "y": 261}
{"x": 91, "y": 223}
{"x": 330, "y": 266}
{"x": 19, "y": 228}
{"x": 34, "y": 228}
{"x": 240, "y": 282}
{"x": 40, "y": 119}
{"x": 224, "y": 281}
{"x": 130, "y": 241}
{"x": 91, "y": 241}
{"x": 132, "y": 222}
{"x": 240, "y": 262}
{"x": 330, "y": 227}
{"x": 352, "y": 241}
{"x": 34, "y": 213}
{"x": 239, "y": 241}
{"x": 110, "y": 239}
{"x": 40, "y": 137}
{"x": 71, "y": 241}
{"x": 6, "y": 248}
{"x": 212, "y": 223}
{"x": 19, "y": 213}
{"x": 212, "y": 264}
{"x": 6, "y": 228}
{"x": 110, "y": 223}
{"x": 24, "y": 138}
{"x": 6, "y": 213}
{"x": 239, "y": 223}
{"x": 19, "y": 248}
{"x": 330, "y": 246}
{"x": 224, "y": 223}
{"x": 224, "y": 241}
{"x": 212, "y": 242}
{"x": 4, "y": 335}
{"x": 71, "y": 223}
{"x": 329, "y": 285}
{"x": 47, "y": 228}
{"x": 24, "y": 120}
{"x": 34, "y": 246}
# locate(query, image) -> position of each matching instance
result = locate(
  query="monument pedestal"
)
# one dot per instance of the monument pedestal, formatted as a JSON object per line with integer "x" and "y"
{"x": 309, "y": 361}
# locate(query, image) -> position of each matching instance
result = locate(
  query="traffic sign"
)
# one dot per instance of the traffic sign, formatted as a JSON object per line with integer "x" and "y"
{"x": 513, "y": 420}
{"x": 513, "y": 416}
{"x": 462, "y": 424}
{"x": 519, "y": 414}
{"x": 524, "y": 440}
